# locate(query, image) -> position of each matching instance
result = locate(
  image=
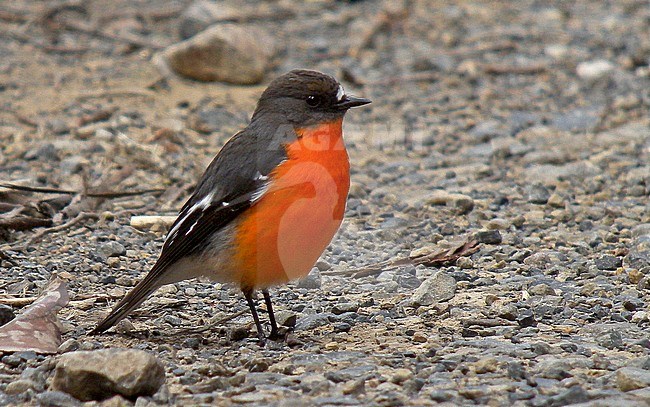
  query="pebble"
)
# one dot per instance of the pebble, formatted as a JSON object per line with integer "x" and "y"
{"x": 462, "y": 203}
{"x": 354, "y": 387}
{"x": 99, "y": 374}
{"x": 630, "y": 378}
{"x": 56, "y": 399}
{"x": 6, "y": 314}
{"x": 437, "y": 288}
{"x": 310, "y": 322}
{"x": 112, "y": 249}
{"x": 541, "y": 289}
{"x": 486, "y": 365}
{"x": 488, "y": 237}
{"x": 69, "y": 345}
{"x": 538, "y": 194}
{"x": 399, "y": 376}
{"x": 594, "y": 69}
{"x": 228, "y": 53}
{"x": 608, "y": 262}
{"x": 343, "y": 307}
{"x": 19, "y": 386}
{"x": 311, "y": 281}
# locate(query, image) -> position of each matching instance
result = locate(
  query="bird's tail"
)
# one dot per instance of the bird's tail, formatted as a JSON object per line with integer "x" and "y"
{"x": 131, "y": 301}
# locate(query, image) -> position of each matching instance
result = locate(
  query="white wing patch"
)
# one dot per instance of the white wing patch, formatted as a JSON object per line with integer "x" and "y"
{"x": 340, "y": 94}
{"x": 255, "y": 196}
{"x": 202, "y": 205}
{"x": 260, "y": 177}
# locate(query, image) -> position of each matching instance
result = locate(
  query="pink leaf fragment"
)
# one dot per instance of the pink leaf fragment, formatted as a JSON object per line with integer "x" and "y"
{"x": 37, "y": 329}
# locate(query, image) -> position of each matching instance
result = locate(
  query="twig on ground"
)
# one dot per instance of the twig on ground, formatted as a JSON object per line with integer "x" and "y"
{"x": 501, "y": 69}
{"x": 99, "y": 115}
{"x": 435, "y": 257}
{"x": 17, "y": 302}
{"x": 106, "y": 194}
{"x": 115, "y": 93}
{"x": 24, "y": 119}
{"x": 77, "y": 219}
{"x": 20, "y": 223}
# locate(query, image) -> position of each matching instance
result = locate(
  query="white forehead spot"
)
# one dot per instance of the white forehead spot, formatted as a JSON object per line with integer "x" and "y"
{"x": 340, "y": 93}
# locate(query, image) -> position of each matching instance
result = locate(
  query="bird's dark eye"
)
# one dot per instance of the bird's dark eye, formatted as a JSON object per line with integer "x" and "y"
{"x": 314, "y": 100}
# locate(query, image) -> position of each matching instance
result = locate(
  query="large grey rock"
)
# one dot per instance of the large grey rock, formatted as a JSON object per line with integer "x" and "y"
{"x": 225, "y": 53}
{"x": 439, "y": 287}
{"x": 100, "y": 374}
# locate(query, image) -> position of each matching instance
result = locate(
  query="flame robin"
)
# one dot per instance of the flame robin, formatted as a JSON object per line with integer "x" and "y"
{"x": 268, "y": 204}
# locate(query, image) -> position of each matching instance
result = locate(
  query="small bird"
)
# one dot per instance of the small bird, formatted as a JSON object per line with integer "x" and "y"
{"x": 269, "y": 203}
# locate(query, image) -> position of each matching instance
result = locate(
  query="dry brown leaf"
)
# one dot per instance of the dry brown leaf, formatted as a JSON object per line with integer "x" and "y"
{"x": 37, "y": 329}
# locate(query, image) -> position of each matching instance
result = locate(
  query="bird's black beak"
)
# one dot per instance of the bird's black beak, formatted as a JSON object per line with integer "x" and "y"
{"x": 351, "y": 101}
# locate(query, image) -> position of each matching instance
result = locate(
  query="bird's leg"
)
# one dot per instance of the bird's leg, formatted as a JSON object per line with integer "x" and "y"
{"x": 251, "y": 304}
{"x": 274, "y": 326}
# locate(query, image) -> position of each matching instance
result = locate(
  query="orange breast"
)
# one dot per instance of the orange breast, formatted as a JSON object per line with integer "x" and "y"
{"x": 283, "y": 234}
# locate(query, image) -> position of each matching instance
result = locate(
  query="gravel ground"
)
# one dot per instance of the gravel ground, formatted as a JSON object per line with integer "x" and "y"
{"x": 523, "y": 124}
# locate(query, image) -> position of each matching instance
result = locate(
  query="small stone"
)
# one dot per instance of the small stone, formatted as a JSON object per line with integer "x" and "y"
{"x": 286, "y": 318}
{"x": 45, "y": 153}
{"x": 497, "y": 224}
{"x": 343, "y": 307}
{"x": 608, "y": 262}
{"x": 437, "y": 288}
{"x": 311, "y": 281}
{"x": 486, "y": 365}
{"x": 238, "y": 333}
{"x": 541, "y": 289}
{"x": 538, "y": 194}
{"x": 6, "y": 314}
{"x": 331, "y": 346}
{"x": 323, "y": 265}
{"x": 487, "y": 130}
{"x": 635, "y": 276}
{"x": 69, "y": 345}
{"x": 116, "y": 401}
{"x": 354, "y": 387}
{"x": 310, "y": 322}
{"x": 541, "y": 348}
{"x": 56, "y": 399}
{"x": 400, "y": 376}
{"x": 224, "y": 52}
{"x": 488, "y": 237}
{"x": 526, "y": 318}
{"x": 12, "y": 360}
{"x": 573, "y": 395}
{"x": 556, "y": 200}
{"x": 462, "y": 203}
{"x": 639, "y": 316}
{"x": 611, "y": 339}
{"x": 341, "y": 327}
{"x": 19, "y": 386}
{"x": 419, "y": 337}
{"x": 112, "y": 249}
{"x": 440, "y": 396}
{"x": 631, "y": 378}
{"x": 97, "y": 375}
{"x": 465, "y": 263}
{"x": 594, "y": 69}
